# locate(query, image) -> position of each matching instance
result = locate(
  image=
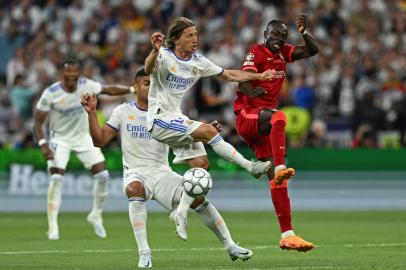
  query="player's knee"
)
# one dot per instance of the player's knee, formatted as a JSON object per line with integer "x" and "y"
{"x": 209, "y": 132}
{"x": 280, "y": 117}
{"x": 102, "y": 176}
{"x": 135, "y": 189}
{"x": 200, "y": 162}
{"x": 54, "y": 170}
{"x": 198, "y": 202}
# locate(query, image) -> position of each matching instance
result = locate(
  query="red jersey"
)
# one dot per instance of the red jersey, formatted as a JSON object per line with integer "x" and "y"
{"x": 260, "y": 59}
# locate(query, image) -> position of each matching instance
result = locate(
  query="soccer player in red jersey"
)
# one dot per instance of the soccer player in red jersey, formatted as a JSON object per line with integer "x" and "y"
{"x": 259, "y": 122}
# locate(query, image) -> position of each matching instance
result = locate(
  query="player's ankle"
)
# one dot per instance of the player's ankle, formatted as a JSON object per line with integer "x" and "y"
{"x": 287, "y": 234}
{"x": 279, "y": 168}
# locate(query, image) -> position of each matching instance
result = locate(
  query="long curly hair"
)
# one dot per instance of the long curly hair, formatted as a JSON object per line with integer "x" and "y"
{"x": 175, "y": 31}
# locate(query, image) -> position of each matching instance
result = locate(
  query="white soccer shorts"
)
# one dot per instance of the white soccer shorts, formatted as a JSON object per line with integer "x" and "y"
{"x": 183, "y": 153}
{"x": 87, "y": 153}
{"x": 174, "y": 129}
{"x": 161, "y": 183}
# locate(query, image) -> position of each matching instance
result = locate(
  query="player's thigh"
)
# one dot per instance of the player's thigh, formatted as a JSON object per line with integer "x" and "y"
{"x": 247, "y": 127}
{"x": 264, "y": 121}
{"x": 91, "y": 157}
{"x": 135, "y": 183}
{"x": 190, "y": 151}
{"x": 247, "y": 123}
{"x": 61, "y": 155}
{"x": 166, "y": 185}
{"x": 174, "y": 129}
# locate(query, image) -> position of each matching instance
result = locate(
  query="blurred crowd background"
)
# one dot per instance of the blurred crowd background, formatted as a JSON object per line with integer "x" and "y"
{"x": 352, "y": 94}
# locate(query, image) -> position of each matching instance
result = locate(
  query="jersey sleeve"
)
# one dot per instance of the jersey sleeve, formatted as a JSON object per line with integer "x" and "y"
{"x": 115, "y": 122}
{"x": 253, "y": 60}
{"x": 44, "y": 102}
{"x": 287, "y": 51}
{"x": 92, "y": 86}
{"x": 209, "y": 68}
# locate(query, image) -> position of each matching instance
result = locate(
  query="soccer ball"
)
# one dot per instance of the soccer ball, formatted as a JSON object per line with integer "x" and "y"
{"x": 197, "y": 182}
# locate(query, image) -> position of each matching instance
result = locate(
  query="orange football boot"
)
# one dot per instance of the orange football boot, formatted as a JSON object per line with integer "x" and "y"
{"x": 295, "y": 243}
{"x": 284, "y": 174}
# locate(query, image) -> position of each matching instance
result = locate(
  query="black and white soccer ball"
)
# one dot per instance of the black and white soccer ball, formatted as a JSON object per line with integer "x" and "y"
{"x": 197, "y": 182}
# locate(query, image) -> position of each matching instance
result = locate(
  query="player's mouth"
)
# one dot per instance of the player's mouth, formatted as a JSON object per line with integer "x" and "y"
{"x": 71, "y": 79}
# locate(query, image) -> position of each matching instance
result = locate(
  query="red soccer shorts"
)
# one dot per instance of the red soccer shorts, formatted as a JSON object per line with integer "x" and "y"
{"x": 247, "y": 127}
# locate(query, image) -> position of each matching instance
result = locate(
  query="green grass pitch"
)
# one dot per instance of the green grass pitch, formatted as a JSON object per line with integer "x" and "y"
{"x": 344, "y": 240}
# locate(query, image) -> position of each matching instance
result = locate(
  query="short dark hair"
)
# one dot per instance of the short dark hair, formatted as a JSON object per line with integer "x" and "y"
{"x": 71, "y": 61}
{"x": 140, "y": 73}
{"x": 275, "y": 23}
{"x": 175, "y": 31}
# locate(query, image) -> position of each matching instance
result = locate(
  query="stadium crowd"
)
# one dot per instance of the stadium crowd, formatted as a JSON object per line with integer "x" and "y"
{"x": 352, "y": 94}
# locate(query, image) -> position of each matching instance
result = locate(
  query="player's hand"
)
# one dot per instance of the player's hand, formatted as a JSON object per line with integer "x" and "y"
{"x": 47, "y": 152}
{"x": 301, "y": 21}
{"x": 267, "y": 75}
{"x": 89, "y": 102}
{"x": 216, "y": 124}
{"x": 257, "y": 92}
{"x": 157, "y": 39}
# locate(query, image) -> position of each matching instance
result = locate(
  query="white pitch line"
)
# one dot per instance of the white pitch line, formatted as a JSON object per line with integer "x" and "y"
{"x": 189, "y": 249}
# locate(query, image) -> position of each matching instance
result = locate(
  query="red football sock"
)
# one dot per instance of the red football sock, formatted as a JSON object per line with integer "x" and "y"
{"x": 278, "y": 140}
{"x": 281, "y": 203}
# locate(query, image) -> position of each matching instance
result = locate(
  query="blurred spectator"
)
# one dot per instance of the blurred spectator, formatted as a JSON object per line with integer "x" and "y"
{"x": 10, "y": 40}
{"x": 317, "y": 137}
{"x": 368, "y": 118}
{"x": 365, "y": 137}
{"x": 21, "y": 97}
{"x": 304, "y": 96}
{"x": 363, "y": 44}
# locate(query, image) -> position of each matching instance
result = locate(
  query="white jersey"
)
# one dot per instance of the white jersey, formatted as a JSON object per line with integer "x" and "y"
{"x": 139, "y": 149}
{"x": 171, "y": 78}
{"x": 68, "y": 119}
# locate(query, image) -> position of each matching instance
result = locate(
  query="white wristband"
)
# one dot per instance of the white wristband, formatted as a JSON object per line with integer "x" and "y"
{"x": 42, "y": 142}
{"x": 304, "y": 33}
{"x": 132, "y": 90}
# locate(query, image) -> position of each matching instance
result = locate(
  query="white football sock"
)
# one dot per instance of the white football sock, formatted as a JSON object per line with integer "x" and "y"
{"x": 184, "y": 204}
{"x": 54, "y": 198}
{"x": 215, "y": 222}
{"x": 228, "y": 152}
{"x": 138, "y": 217}
{"x": 100, "y": 191}
{"x": 288, "y": 233}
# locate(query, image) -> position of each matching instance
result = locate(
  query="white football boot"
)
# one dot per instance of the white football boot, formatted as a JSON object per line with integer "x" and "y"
{"x": 145, "y": 260}
{"x": 259, "y": 168}
{"x": 97, "y": 222}
{"x": 181, "y": 223}
{"x": 53, "y": 234}
{"x": 237, "y": 252}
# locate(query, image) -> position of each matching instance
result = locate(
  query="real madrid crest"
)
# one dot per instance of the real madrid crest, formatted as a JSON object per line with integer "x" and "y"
{"x": 194, "y": 71}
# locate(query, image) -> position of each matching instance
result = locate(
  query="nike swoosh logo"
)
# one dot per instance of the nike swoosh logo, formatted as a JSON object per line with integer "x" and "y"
{"x": 243, "y": 253}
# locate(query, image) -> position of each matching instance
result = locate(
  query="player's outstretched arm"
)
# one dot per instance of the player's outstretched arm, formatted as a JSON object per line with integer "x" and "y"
{"x": 241, "y": 76}
{"x": 39, "y": 120}
{"x": 116, "y": 90}
{"x": 311, "y": 47}
{"x": 100, "y": 136}
{"x": 157, "y": 40}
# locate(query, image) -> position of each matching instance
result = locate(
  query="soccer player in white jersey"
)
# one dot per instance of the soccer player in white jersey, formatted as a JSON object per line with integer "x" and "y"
{"x": 69, "y": 131}
{"x": 175, "y": 67}
{"x": 147, "y": 174}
